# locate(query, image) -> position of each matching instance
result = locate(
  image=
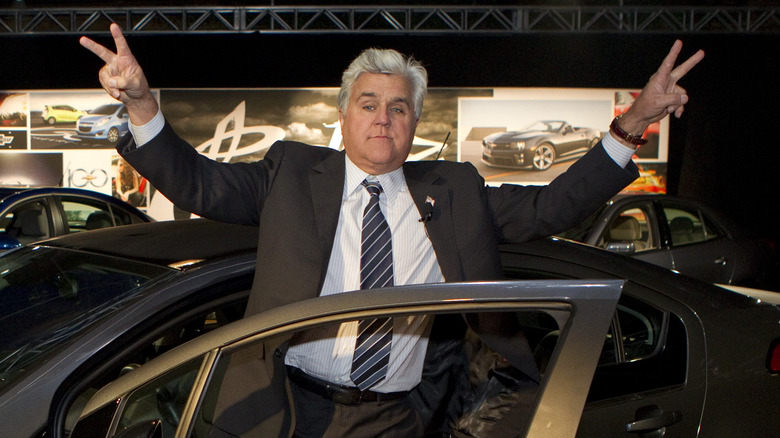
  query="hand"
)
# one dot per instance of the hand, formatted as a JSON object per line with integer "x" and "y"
{"x": 122, "y": 77}
{"x": 661, "y": 95}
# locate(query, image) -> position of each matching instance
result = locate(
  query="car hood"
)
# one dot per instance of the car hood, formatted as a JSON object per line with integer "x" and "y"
{"x": 506, "y": 137}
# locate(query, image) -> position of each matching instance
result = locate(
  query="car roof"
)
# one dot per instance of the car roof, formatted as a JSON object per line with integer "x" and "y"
{"x": 11, "y": 194}
{"x": 166, "y": 242}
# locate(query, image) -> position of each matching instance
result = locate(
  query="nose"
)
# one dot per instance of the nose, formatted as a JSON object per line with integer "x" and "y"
{"x": 382, "y": 118}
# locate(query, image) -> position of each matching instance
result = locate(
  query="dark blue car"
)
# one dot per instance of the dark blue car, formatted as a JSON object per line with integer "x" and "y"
{"x": 31, "y": 214}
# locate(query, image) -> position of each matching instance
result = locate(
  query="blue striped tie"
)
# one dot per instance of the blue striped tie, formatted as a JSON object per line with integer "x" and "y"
{"x": 372, "y": 349}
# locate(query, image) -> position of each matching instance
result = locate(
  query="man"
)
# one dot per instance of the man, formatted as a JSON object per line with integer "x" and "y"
{"x": 309, "y": 204}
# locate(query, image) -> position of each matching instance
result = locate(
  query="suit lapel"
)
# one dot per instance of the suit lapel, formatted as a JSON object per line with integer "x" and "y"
{"x": 424, "y": 185}
{"x": 326, "y": 181}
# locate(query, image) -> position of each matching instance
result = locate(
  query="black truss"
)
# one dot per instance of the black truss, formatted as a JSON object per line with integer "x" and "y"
{"x": 393, "y": 20}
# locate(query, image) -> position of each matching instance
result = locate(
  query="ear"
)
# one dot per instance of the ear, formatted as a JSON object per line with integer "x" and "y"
{"x": 341, "y": 121}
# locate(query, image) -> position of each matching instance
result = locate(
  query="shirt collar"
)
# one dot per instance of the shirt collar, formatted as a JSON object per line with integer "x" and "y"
{"x": 392, "y": 183}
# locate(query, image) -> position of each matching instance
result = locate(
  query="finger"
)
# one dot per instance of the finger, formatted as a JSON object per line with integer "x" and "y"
{"x": 673, "y": 88}
{"x": 679, "y": 111}
{"x": 99, "y": 50}
{"x": 671, "y": 101}
{"x": 686, "y": 66}
{"x": 108, "y": 82}
{"x": 122, "y": 49}
{"x": 668, "y": 63}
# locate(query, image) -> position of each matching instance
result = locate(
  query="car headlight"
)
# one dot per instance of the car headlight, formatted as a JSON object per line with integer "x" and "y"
{"x": 102, "y": 121}
{"x": 519, "y": 145}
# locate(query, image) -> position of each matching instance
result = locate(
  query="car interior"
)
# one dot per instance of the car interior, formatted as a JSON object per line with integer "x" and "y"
{"x": 28, "y": 224}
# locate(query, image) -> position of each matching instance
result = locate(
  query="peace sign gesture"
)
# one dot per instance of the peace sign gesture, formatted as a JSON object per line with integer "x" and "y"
{"x": 661, "y": 95}
{"x": 122, "y": 77}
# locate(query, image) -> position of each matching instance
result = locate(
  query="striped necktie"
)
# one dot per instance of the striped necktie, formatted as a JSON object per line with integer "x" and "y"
{"x": 372, "y": 349}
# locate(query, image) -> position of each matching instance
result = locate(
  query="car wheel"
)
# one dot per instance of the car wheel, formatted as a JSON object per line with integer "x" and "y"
{"x": 113, "y": 135}
{"x": 51, "y": 121}
{"x": 544, "y": 157}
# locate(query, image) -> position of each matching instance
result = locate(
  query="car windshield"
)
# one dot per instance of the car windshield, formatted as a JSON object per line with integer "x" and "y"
{"x": 543, "y": 126}
{"x": 104, "y": 110}
{"x": 50, "y": 295}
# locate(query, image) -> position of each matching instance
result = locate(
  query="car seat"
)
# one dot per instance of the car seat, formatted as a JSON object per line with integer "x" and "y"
{"x": 99, "y": 219}
{"x": 682, "y": 230}
{"x": 626, "y": 229}
{"x": 30, "y": 226}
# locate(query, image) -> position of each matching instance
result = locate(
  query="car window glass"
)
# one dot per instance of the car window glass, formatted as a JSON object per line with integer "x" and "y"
{"x": 87, "y": 214}
{"x": 488, "y": 392}
{"x": 184, "y": 326}
{"x": 496, "y": 395}
{"x": 630, "y": 231}
{"x": 688, "y": 226}
{"x": 27, "y": 222}
{"x": 635, "y": 332}
{"x": 50, "y": 295}
{"x": 163, "y": 399}
{"x": 662, "y": 362}
{"x": 645, "y": 348}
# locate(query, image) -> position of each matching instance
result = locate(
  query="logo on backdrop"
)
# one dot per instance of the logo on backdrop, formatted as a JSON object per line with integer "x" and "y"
{"x": 81, "y": 178}
{"x": 212, "y": 148}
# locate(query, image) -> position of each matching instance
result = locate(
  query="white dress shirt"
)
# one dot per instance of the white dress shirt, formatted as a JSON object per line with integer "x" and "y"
{"x": 327, "y": 353}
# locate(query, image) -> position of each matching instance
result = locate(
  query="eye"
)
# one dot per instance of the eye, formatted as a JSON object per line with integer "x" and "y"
{"x": 369, "y": 107}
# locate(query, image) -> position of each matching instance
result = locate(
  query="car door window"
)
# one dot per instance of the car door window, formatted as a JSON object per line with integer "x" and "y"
{"x": 689, "y": 225}
{"x": 645, "y": 348}
{"x": 632, "y": 230}
{"x": 28, "y": 222}
{"x": 182, "y": 327}
{"x": 87, "y": 214}
{"x": 162, "y": 399}
{"x": 484, "y": 390}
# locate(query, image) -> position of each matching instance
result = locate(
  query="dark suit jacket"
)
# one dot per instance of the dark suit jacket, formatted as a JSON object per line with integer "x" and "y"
{"x": 294, "y": 196}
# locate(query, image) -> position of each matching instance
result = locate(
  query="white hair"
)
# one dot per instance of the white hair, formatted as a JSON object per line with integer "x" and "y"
{"x": 385, "y": 61}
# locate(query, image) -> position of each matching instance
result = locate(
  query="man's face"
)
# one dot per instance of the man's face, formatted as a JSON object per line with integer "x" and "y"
{"x": 379, "y": 123}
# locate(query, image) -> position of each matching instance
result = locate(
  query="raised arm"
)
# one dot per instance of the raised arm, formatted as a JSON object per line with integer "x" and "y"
{"x": 661, "y": 95}
{"x": 122, "y": 77}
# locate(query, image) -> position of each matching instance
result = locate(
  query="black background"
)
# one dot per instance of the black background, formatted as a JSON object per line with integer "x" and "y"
{"x": 723, "y": 151}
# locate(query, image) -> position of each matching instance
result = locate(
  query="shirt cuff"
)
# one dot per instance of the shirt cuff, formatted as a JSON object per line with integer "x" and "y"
{"x": 145, "y": 133}
{"x": 617, "y": 151}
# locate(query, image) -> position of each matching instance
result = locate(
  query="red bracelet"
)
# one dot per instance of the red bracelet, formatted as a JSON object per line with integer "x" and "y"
{"x": 631, "y": 138}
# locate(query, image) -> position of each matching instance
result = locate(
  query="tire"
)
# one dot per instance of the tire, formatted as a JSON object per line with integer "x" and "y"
{"x": 51, "y": 121}
{"x": 113, "y": 135}
{"x": 544, "y": 157}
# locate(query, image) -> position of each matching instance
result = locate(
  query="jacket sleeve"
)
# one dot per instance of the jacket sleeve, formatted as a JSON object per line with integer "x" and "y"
{"x": 523, "y": 213}
{"x": 227, "y": 192}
